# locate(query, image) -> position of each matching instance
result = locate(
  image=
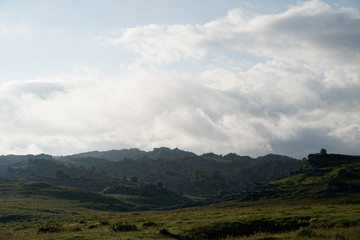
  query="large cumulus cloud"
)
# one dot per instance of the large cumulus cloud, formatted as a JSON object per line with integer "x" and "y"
{"x": 287, "y": 83}
{"x": 312, "y": 31}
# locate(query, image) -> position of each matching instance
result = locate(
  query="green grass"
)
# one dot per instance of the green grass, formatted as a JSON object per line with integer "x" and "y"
{"x": 23, "y": 216}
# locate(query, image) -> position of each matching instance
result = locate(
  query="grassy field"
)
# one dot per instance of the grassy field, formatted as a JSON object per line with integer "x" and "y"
{"x": 39, "y": 217}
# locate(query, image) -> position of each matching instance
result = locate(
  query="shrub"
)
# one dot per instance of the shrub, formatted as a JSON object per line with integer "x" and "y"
{"x": 123, "y": 227}
{"x": 49, "y": 227}
{"x": 316, "y": 223}
{"x": 104, "y": 222}
{"x": 166, "y": 233}
{"x": 149, "y": 224}
{"x": 305, "y": 232}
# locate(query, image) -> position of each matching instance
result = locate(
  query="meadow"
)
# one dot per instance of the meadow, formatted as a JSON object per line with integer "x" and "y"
{"x": 41, "y": 217}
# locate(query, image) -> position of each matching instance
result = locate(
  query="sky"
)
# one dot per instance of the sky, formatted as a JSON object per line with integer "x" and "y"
{"x": 247, "y": 77}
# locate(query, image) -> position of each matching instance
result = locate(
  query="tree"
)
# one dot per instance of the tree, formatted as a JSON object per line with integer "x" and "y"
{"x": 323, "y": 151}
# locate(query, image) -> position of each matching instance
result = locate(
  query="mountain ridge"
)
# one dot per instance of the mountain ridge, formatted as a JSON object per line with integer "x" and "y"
{"x": 180, "y": 171}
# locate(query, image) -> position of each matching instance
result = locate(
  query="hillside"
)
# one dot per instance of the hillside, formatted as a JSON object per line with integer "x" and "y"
{"x": 324, "y": 177}
{"x": 179, "y": 171}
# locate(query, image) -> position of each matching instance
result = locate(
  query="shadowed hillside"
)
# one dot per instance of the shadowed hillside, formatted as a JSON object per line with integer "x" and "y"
{"x": 323, "y": 177}
{"x": 176, "y": 170}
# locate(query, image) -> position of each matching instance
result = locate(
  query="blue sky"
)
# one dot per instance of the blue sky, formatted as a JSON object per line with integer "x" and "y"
{"x": 250, "y": 77}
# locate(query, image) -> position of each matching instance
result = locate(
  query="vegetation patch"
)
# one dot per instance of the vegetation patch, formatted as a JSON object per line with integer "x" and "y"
{"x": 123, "y": 227}
{"x": 166, "y": 233}
{"x": 104, "y": 222}
{"x": 149, "y": 224}
{"x": 50, "y": 227}
{"x": 224, "y": 229}
{"x": 14, "y": 218}
{"x": 305, "y": 232}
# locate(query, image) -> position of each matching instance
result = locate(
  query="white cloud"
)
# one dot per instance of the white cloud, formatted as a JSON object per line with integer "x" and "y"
{"x": 302, "y": 94}
{"x": 162, "y": 43}
{"x": 311, "y": 31}
{"x": 148, "y": 107}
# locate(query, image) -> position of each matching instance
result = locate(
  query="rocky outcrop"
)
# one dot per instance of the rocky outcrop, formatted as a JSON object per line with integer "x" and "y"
{"x": 329, "y": 160}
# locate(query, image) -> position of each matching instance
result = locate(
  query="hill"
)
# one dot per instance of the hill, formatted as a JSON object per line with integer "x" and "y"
{"x": 323, "y": 178}
{"x": 179, "y": 171}
{"x": 133, "y": 153}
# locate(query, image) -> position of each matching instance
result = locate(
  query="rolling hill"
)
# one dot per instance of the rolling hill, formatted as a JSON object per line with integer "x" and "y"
{"x": 179, "y": 171}
{"x": 323, "y": 178}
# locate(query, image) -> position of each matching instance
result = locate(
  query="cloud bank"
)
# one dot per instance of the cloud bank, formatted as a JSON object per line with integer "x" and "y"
{"x": 287, "y": 83}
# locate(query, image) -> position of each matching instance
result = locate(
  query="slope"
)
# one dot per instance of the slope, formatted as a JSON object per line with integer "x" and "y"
{"x": 323, "y": 178}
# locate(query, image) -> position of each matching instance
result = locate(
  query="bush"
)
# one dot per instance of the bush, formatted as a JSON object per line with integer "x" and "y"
{"x": 305, "y": 232}
{"x": 123, "y": 227}
{"x": 49, "y": 227}
{"x": 149, "y": 224}
{"x": 317, "y": 223}
{"x": 104, "y": 222}
{"x": 166, "y": 233}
